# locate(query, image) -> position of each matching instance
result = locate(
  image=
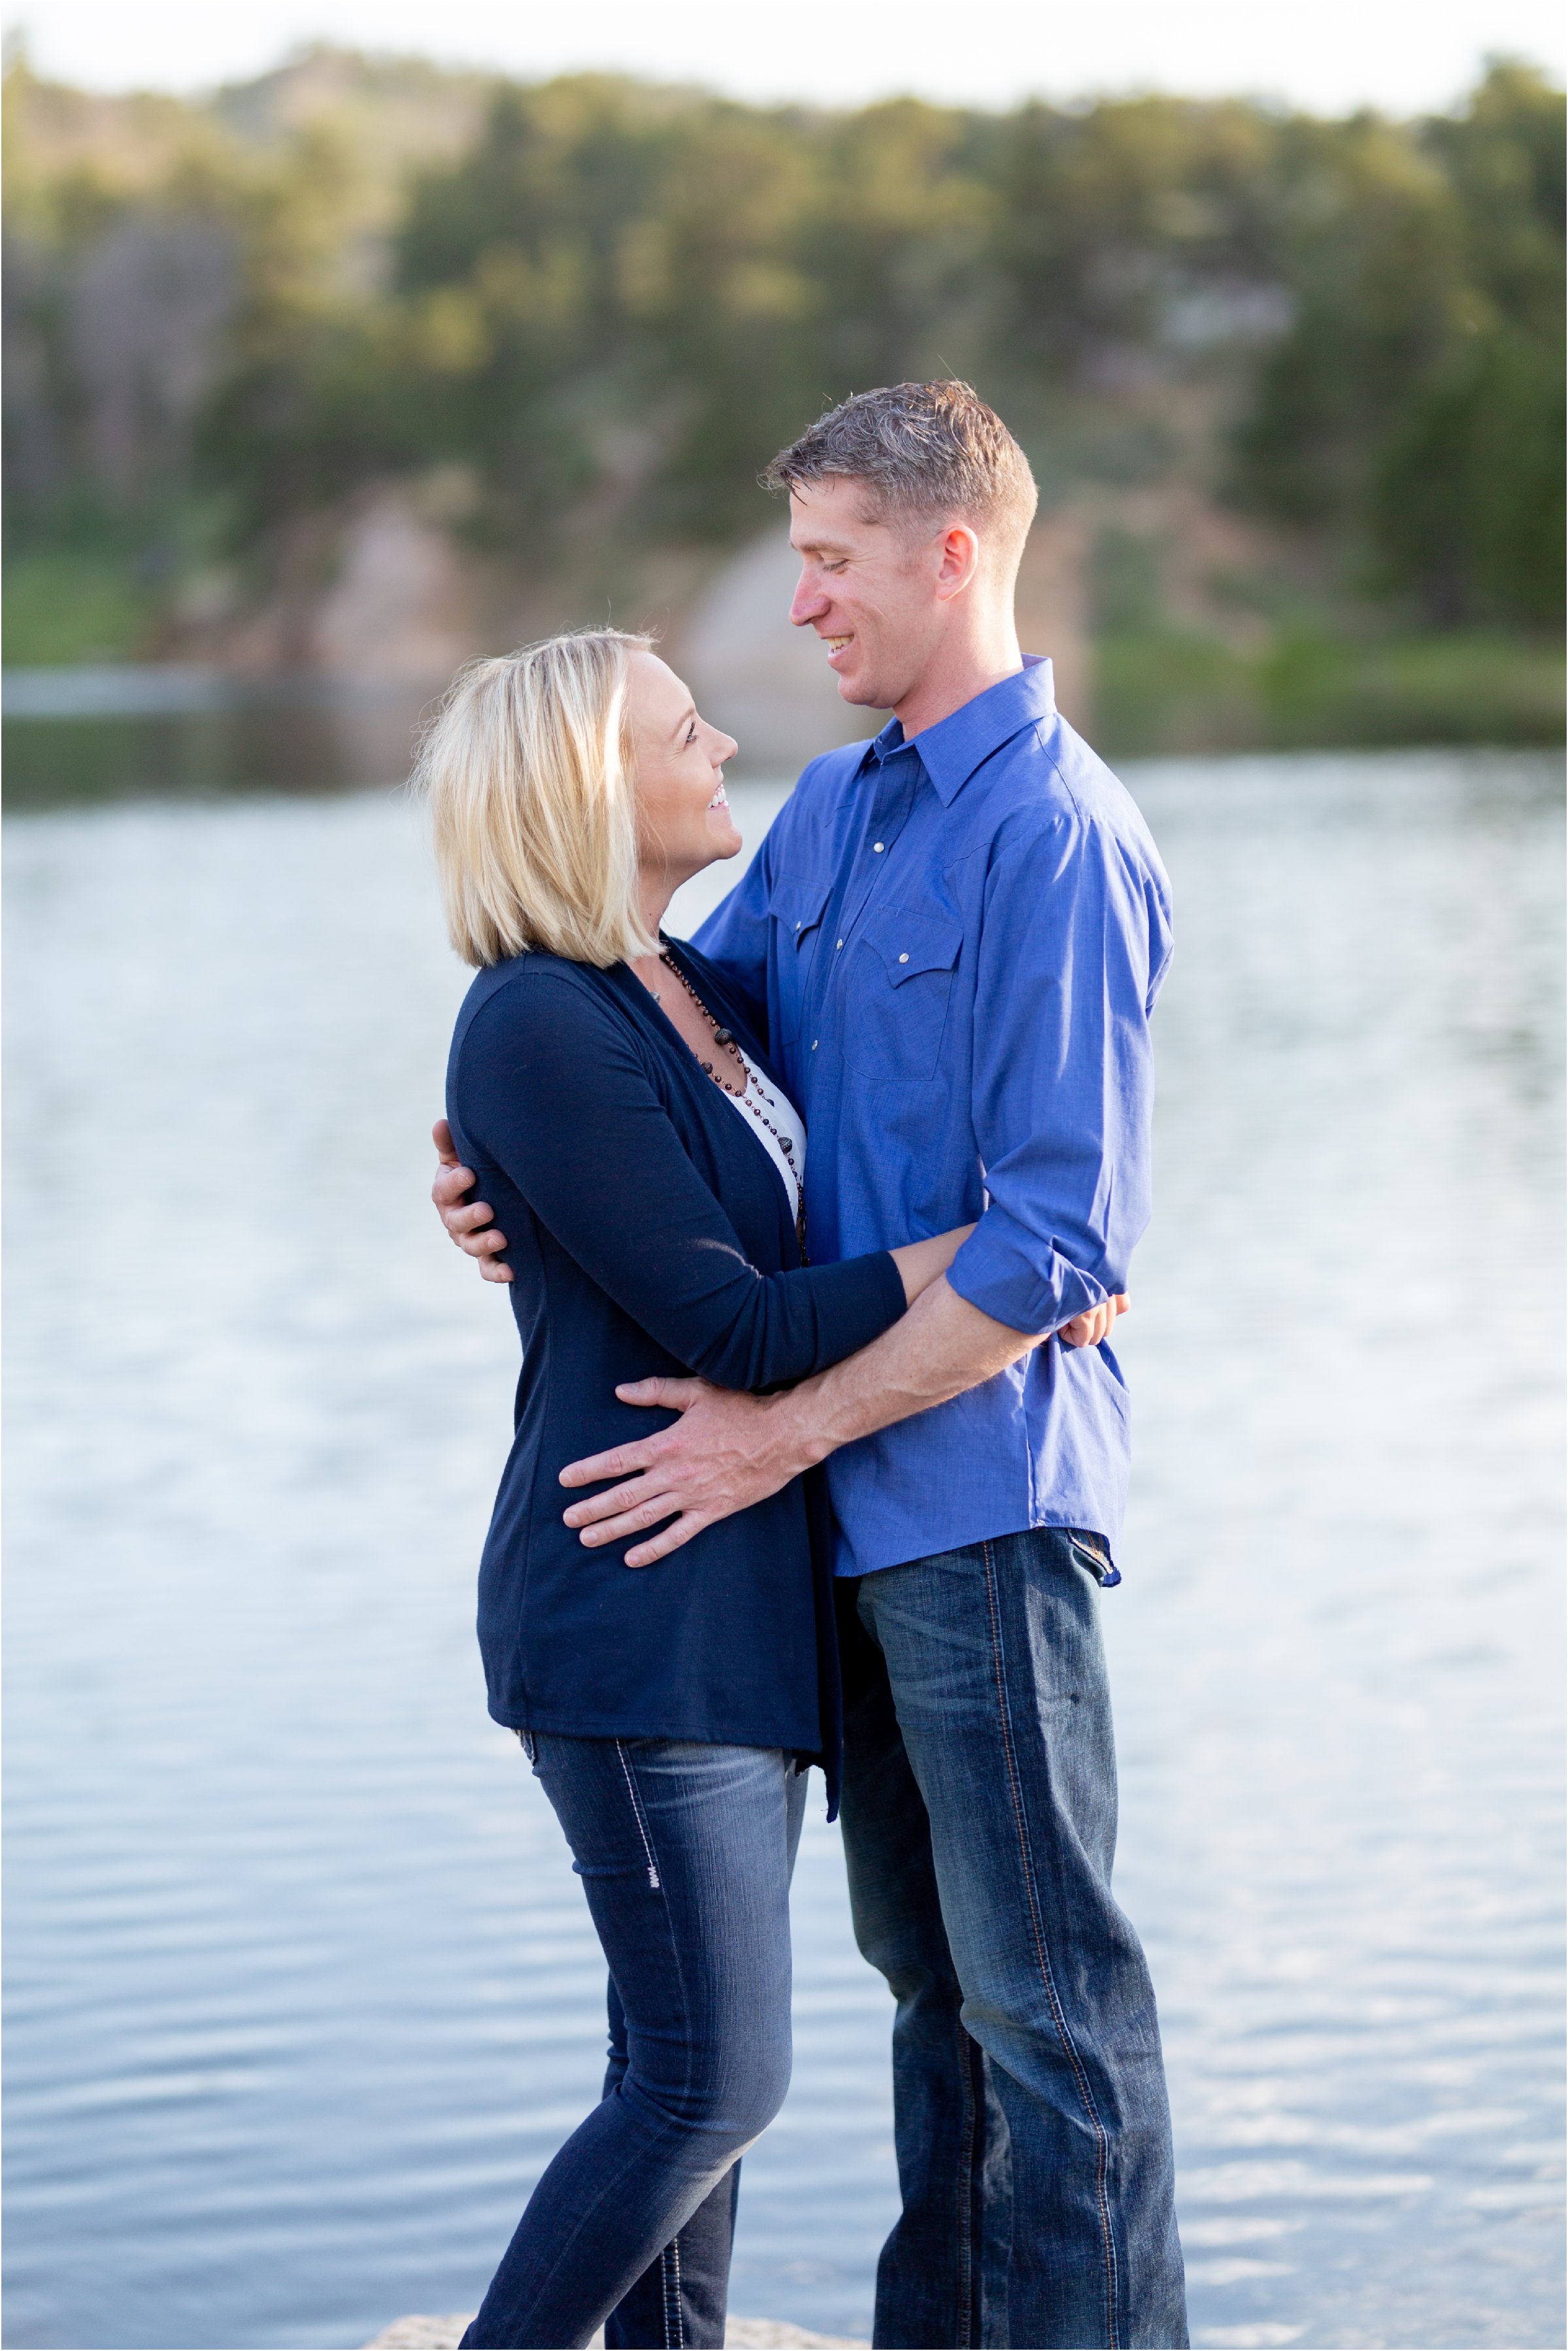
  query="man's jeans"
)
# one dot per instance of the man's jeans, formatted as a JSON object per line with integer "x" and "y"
{"x": 979, "y": 1815}
{"x": 685, "y": 1852}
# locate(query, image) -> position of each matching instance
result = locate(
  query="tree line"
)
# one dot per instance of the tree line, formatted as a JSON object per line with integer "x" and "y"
{"x": 600, "y": 306}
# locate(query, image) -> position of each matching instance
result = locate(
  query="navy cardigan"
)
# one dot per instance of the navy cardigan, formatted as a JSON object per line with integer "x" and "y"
{"x": 648, "y": 1231}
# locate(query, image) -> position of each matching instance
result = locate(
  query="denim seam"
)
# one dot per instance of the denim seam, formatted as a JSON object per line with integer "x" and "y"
{"x": 674, "y": 2317}
{"x": 637, "y": 1816}
{"x": 635, "y": 2162}
{"x": 966, "y": 2194}
{"x": 655, "y": 1883}
{"x": 1101, "y": 2138}
{"x": 664, "y": 2128}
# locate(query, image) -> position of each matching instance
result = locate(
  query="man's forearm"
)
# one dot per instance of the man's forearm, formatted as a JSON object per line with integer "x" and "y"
{"x": 728, "y": 1450}
{"x": 941, "y": 1347}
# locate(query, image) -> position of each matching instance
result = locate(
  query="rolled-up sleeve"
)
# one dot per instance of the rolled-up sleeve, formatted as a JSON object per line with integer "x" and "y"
{"x": 1072, "y": 947}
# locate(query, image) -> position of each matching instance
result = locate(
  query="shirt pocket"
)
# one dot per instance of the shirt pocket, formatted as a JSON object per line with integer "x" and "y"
{"x": 797, "y": 910}
{"x": 900, "y": 984}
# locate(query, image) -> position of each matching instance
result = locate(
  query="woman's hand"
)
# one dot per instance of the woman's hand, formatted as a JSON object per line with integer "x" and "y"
{"x": 920, "y": 1262}
{"x": 1088, "y": 1330}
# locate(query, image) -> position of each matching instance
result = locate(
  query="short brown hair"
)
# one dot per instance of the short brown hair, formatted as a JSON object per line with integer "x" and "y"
{"x": 923, "y": 450}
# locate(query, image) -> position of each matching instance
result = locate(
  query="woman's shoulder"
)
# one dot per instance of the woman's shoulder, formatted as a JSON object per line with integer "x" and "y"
{"x": 537, "y": 987}
{"x": 536, "y": 997}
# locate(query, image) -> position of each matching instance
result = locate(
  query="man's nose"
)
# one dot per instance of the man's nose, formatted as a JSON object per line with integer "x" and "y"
{"x": 809, "y": 602}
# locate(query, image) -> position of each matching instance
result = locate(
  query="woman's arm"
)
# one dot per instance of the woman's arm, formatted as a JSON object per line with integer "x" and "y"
{"x": 920, "y": 1262}
{"x": 549, "y": 1084}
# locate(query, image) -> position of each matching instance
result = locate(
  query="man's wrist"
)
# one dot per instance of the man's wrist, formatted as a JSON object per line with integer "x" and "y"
{"x": 797, "y": 1443}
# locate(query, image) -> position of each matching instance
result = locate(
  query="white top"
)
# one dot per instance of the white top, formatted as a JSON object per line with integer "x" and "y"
{"x": 774, "y": 1120}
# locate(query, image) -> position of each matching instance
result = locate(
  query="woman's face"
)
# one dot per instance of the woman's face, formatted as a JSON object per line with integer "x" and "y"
{"x": 683, "y": 817}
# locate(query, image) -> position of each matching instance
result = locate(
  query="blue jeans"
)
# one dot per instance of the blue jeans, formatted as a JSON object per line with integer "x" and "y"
{"x": 685, "y": 1853}
{"x": 980, "y": 1816}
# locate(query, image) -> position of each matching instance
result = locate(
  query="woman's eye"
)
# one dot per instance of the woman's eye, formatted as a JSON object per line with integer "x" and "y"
{"x": 692, "y": 734}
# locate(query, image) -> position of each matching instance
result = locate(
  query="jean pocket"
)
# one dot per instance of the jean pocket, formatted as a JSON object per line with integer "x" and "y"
{"x": 530, "y": 1747}
{"x": 1091, "y": 1553}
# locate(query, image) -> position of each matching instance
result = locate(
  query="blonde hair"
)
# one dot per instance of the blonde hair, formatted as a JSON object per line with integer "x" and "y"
{"x": 527, "y": 773}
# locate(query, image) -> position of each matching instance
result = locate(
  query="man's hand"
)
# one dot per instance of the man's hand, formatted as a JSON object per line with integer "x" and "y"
{"x": 470, "y": 1222}
{"x": 725, "y": 1452}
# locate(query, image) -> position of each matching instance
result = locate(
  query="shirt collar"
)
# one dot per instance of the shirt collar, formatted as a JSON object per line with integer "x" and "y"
{"x": 952, "y": 749}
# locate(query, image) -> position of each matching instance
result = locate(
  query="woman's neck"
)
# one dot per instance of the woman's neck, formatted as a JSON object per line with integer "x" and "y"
{"x": 655, "y": 892}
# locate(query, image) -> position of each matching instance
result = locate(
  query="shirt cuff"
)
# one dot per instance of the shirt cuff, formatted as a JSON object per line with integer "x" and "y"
{"x": 1013, "y": 1276}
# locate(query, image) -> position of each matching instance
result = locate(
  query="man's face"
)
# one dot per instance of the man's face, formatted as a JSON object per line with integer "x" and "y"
{"x": 869, "y": 589}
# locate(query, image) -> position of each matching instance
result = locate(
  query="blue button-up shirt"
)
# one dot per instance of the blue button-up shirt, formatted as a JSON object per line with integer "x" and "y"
{"x": 956, "y": 942}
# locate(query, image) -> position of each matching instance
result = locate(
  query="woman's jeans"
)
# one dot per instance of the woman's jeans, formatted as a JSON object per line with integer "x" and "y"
{"x": 685, "y": 1853}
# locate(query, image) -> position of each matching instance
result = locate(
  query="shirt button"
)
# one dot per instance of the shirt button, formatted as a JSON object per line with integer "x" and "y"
{"x": 839, "y": 944}
{"x": 877, "y": 846}
{"x": 813, "y": 1044}
{"x": 904, "y": 959}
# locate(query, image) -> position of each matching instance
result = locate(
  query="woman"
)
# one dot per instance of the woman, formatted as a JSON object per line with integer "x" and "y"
{"x": 647, "y": 1167}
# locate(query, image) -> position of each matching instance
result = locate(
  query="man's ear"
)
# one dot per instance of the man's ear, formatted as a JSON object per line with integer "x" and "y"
{"x": 959, "y": 548}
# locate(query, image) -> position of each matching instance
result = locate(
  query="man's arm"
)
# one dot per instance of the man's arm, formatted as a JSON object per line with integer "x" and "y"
{"x": 1061, "y": 1104}
{"x": 727, "y": 1451}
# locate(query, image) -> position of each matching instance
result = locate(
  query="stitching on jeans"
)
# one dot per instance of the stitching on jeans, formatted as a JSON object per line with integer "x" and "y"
{"x": 965, "y": 2192}
{"x": 1101, "y": 2134}
{"x": 673, "y": 2327}
{"x": 637, "y": 1816}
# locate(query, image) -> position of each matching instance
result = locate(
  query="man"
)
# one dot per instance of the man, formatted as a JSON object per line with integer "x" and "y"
{"x": 955, "y": 936}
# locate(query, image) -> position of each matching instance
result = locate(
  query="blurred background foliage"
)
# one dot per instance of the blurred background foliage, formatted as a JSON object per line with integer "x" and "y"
{"x": 1293, "y": 388}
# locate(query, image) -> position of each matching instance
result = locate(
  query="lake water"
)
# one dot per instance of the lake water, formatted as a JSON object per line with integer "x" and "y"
{"x": 303, "y": 1993}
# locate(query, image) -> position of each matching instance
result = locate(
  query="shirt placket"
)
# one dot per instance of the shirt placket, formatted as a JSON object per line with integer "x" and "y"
{"x": 885, "y": 820}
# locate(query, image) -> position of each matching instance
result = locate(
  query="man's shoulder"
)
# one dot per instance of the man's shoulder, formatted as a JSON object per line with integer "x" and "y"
{"x": 832, "y": 770}
{"x": 1049, "y": 778}
{"x": 823, "y": 781}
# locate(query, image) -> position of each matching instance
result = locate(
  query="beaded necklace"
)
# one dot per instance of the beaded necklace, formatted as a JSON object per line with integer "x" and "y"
{"x": 724, "y": 1037}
